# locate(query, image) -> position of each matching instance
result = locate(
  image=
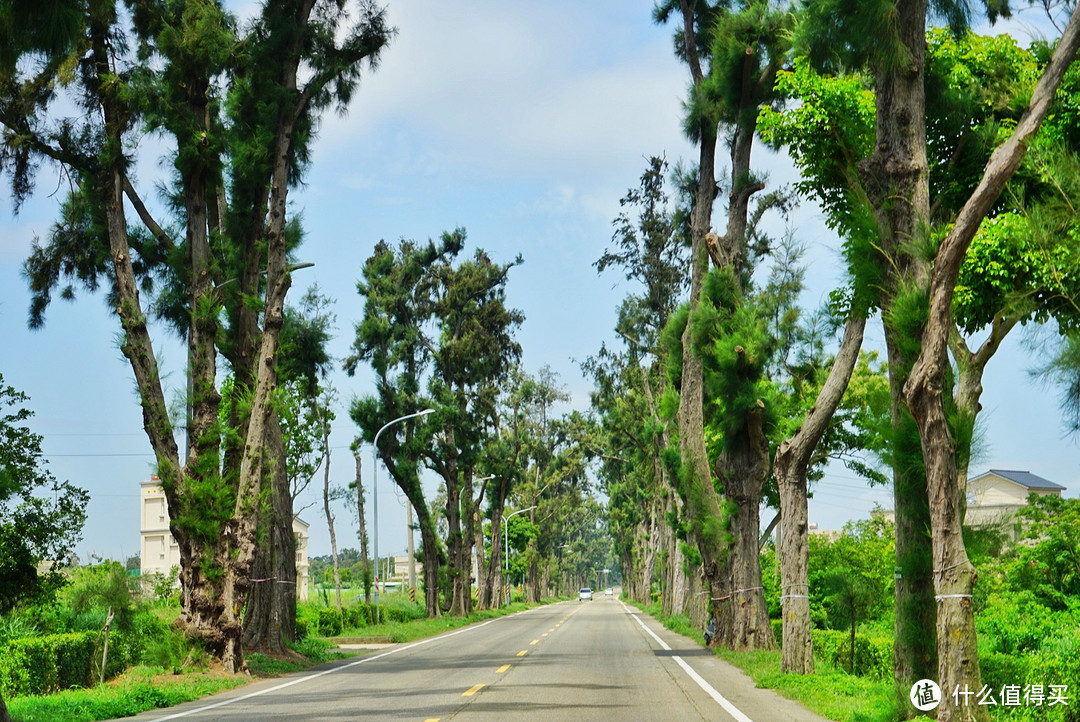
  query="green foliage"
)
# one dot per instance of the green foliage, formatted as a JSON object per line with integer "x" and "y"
{"x": 330, "y": 622}
{"x": 39, "y": 665}
{"x": 873, "y": 655}
{"x": 851, "y": 577}
{"x": 166, "y": 646}
{"x": 96, "y": 589}
{"x": 1048, "y": 562}
{"x": 40, "y": 518}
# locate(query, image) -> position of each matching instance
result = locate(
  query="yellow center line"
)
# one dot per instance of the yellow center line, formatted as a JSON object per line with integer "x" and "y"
{"x": 553, "y": 628}
{"x": 522, "y": 653}
{"x": 544, "y": 634}
{"x": 535, "y": 641}
{"x": 433, "y": 719}
{"x": 472, "y": 690}
{"x": 502, "y": 669}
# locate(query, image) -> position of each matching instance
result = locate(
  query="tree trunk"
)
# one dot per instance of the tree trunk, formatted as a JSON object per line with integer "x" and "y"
{"x": 326, "y": 505}
{"x": 742, "y": 473}
{"x": 791, "y": 466}
{"x": 457, "y": 561}
{"x": 429, "y": 543}
{"x": 365, "y": 564}
{"x": 270, "y": 615}
{"x": 492, "y": 591}
{"x": 4, "y": 716}
{"x": 896, "y": 182}
{"x": 954, "y": 576}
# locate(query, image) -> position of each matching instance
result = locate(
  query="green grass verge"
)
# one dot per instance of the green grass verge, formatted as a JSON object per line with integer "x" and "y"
{"x": 125, "y": 699}
{"x": 828, "y": 692}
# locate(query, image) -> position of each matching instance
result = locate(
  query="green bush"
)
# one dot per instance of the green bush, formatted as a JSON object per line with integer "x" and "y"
{"x": 778, "y": 630}
{"x": 873, "y": 656}
{"x": 330, "y": 622}
{"x": 39, "y": 665}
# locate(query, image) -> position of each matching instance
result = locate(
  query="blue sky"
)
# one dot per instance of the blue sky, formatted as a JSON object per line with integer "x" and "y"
{"x": 522, "y": 123}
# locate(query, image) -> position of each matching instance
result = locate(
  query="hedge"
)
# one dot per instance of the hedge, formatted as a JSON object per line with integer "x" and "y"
{"x": 39, "y": 665}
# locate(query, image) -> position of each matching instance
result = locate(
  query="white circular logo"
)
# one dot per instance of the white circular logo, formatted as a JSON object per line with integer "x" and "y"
{"x": 925, "y": 695}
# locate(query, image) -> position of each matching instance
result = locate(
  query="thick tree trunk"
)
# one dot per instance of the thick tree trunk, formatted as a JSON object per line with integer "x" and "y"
{"x": 270, "y": 615}
{"x": 429, "y": 544}
{"x": 492, "y": 590}
{"x": 457, "y": 562}
{"x": 954, "y": 576}
{"x": 4, "y": 716}
{"x": 791, "y": 466}
{"x": 742, "y": 473}
{"x": 896, "y": 182}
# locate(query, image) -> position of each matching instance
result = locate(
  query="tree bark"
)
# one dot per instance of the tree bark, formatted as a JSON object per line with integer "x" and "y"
{"x": 270, "y": 614}
{"x": 896, "y": 181}
{"x": 326, "y": 505}
{"x": 742, "y": 472}
{"x": 954, "y": 576}
{"x": 4, "y": 716}
{"x": 365, "y": 565}
{"x": 791, "y": 465}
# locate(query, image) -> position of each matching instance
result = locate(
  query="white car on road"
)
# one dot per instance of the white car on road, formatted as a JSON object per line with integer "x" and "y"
{"x": 584, "y": 594}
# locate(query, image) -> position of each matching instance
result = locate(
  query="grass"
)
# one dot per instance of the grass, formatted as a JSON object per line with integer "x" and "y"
{"x": 829, "y": 692}
{"x": 127, "y": 696}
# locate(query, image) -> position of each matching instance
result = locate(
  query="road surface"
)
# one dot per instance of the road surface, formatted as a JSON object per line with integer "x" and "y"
{"x": 598, "y": 660}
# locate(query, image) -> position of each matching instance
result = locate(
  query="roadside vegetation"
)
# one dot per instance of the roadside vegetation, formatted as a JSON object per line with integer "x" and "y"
{"x": 55, "y": 676}
{"x": 1027, "y": 613}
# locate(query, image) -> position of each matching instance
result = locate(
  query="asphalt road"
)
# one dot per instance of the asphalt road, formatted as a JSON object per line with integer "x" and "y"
{"x": 598, "y": 660}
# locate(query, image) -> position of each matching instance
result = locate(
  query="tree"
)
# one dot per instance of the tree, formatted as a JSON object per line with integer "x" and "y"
{"x": 645, "y": 511}
{"x": 41, "y": 518}
{"x": 473, "y": 352}
{"x": 890, "y": 41}
{"x": 953, "y": 583}
{"x": 733, "y": 53}
{"x": 173, "y": 83}
{"x": 395, "y": 288}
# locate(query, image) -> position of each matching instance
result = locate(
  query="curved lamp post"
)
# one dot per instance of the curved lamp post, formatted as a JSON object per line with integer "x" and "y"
{"x": 375, "y": 496}
{"x": 506, "y": 543}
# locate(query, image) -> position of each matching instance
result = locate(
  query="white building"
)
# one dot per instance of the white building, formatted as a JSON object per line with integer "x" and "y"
{"x": 159, "y": 552}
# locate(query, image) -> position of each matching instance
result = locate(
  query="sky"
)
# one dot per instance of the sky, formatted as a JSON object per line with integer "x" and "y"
{"x": 523, "y": 123}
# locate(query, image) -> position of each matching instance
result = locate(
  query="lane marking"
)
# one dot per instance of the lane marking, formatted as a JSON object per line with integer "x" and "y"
{"x": 544, "y": 634}
{"x": 535, "y": 641}
{"x": 332, "y": 670}
{"x": 433, "y": 719}
{"x": 502, "y": 669}
{"x": 472, "y": 690}
{"x": 701, "y": 682}
{"x": 522, "y": 653}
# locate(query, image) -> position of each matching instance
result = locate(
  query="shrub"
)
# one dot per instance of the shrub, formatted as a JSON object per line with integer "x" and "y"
{"x": 330, "y": 622}
{"x": 38, "y": 665}
{"x": 873, "y": 656}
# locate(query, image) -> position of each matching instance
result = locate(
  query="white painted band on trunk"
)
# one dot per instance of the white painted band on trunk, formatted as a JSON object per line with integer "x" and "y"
{"x": 701, "y": 682}
{"x": 939, "y": 597}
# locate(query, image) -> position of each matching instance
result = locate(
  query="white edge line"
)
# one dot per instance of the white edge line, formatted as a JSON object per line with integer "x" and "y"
{"x": 316, "y": 675}
{"x": 709, "y": 689}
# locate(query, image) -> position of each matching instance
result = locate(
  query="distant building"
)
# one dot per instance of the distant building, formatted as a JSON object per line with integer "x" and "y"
{"x": 996, "y": 496}
{"x": 159, "y": 552}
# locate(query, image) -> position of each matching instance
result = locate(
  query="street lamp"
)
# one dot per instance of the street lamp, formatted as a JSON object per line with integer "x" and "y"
{"x": 506, "y": 543}
{"x": 375, "y": 495}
